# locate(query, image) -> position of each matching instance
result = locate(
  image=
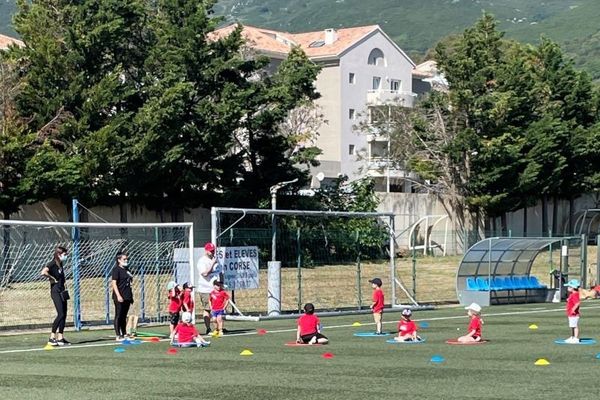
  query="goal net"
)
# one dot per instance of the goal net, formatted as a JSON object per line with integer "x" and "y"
{"x": 327, "y": 258}
{"x": 157, "y": 254}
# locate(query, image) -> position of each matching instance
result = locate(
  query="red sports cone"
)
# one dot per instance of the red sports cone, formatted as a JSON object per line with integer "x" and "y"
{"x": 327, "y": 355}
{"x": 261, "y": 332}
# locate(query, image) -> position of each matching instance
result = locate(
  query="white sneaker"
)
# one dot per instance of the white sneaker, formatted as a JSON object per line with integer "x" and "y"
{"x": 572, "y": 340}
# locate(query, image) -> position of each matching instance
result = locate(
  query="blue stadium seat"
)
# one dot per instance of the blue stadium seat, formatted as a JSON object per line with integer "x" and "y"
{"x": 483, "y": 284}
{"x": 504, "y": 282}
{"x": 521, "y": 282}
{"x": 496, "y": 284}
{"x": 471, "y": 284}
{"x": 534, "y": 283}
{"x": 508, "y": 283}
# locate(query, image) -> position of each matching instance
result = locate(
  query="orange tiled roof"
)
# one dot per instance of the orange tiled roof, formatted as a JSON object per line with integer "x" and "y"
{"x": 427, "y": 69}
{"x": 271, "y": 41}
{"x": 5, "y": 41}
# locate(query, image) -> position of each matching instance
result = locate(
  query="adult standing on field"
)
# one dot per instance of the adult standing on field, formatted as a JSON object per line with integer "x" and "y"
{"x": 55, "y": 273}
{"x": 122, "y": 295}
{"x": 206, "y": 274}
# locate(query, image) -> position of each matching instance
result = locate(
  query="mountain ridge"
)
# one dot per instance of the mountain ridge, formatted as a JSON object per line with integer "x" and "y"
{"x": 416, "y": 25}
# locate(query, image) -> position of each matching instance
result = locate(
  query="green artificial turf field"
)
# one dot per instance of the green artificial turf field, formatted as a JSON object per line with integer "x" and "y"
{"x": 361, "y": 368}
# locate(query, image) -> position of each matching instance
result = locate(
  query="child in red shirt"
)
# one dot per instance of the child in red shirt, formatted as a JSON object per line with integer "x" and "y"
{"x": 377, "y": 305}
{"x": 407, "y": 329}
{"x": 174, "y": 305}
{"x": 309, "y": 331}
{"x": 219, "y": 299}
{"x": 186, "y": 334}
{"x": 474, "y": 329}
{"x": 573, "y": 303}
{"x": 187, "y": 298}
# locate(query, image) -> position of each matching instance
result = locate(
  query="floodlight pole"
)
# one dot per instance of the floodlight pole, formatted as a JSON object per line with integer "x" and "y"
{"x": 273, "y": 191}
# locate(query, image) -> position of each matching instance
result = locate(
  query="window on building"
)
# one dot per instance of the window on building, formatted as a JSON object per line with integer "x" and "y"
{"x": 351, "y": 78}
{"x": 351, "y": 150}
{"x": 395, "y": 85}
{"x": 376, "y": 83}
{"x": 376, "y": 58}
{"x": 352, "y": 113}
{"x": 317, "y": 43}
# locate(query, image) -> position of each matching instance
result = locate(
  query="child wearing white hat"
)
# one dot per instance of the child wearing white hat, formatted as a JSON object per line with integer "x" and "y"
{"x": 573, "y": 303}
{"x": 474, "y": 329}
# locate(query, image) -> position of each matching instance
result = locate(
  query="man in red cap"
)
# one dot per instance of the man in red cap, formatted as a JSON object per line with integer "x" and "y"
{"x": 206, "y": 274}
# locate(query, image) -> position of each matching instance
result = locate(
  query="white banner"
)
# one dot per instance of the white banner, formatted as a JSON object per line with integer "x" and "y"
{"x": 239, "y": 266}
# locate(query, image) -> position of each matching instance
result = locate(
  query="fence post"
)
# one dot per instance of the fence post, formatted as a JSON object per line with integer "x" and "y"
{"x": 157, "y": 263}
{"x": 299, "y": 262}
{"x": 414, "y": 270}
{"x": 143, "y": 292}
{"x": 75, "y": 265}
{"x": 107, "y": 281}
{"x": 597, "y": 259}
{"x": 583, "y": 260}
{"x": 358, "y": 278}
{"x": 393, "y": 258}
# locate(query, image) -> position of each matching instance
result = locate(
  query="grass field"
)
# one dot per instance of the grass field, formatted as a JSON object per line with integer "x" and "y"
{"x": 361, "y": 368}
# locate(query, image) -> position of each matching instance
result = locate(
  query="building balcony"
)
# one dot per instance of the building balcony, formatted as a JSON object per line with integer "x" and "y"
{"x": 382, "y": 167}
{"x": 381, "y": 97}
{"x": 377, "y": 137}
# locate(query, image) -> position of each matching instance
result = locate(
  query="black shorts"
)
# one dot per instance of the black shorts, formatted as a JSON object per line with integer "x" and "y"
{"x": 173, "y": 318}
{"x": 306, "y": 338}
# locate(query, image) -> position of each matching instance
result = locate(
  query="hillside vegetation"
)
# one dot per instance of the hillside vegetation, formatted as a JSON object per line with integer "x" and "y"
{"x": 416, "y": 25}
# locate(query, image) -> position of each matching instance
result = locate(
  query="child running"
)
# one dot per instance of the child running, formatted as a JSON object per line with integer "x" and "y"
{"x": 186, "y": 334}
{"x": 407, "y": 329}
{"x": 377, "y": 305}
{"x": 474, "y": 329}
{"x": 219, "y": 299}
{"x": 174, "y": 305}
{"x": 573, "y": 303}
{"x": 309, "y": 331}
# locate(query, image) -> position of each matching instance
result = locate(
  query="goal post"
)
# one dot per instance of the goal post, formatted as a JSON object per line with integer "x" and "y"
{"x": 344, "y": 248}
{"x": 158, "y": 253}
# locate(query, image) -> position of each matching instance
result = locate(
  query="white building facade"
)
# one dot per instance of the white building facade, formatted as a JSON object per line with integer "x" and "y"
{"x": 360, "y": 67}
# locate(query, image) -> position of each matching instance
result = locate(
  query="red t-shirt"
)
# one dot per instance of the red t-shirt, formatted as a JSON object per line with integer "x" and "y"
{"x": 188, "y": 300}
{"x": 572, "y": 301}
{"x": 186, "y": 333}
{"x": 378, "y": 300}
{"x": 475, "y": 324}
{"x": 407, "y": 327}
{"x": 217, "y": 300}
{"x": 308, "y": 323}
{"x": 174, "y": 301}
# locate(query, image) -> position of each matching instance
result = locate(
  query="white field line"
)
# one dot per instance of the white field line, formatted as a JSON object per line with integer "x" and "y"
{"x": 115, "y": 343}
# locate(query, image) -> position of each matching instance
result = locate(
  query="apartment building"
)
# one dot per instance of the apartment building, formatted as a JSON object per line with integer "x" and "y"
{"x": 361, "y": 68}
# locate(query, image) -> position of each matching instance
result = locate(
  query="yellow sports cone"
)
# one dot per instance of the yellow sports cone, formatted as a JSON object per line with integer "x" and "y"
{"x": 357, "y": 324}
{"x": 542, "y": 361}
{"x": 533, "y": 327}
{"x": 246, "y": 353}
{"x": 48, "y": 347}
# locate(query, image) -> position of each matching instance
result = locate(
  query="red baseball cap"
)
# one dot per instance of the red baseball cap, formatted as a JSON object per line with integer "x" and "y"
{"x": 209, "y": 247}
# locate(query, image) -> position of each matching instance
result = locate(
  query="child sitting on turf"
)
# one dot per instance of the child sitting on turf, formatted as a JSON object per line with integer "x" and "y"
{"x": 174, "y": 305}
{"x": 377, "y": 305}
{"x": 573, "y": 303}
{"x": 187, "y": 298}
{"x": 474, "y": 329}
{"x": 186, "y": 334}
{"x": 309, "y": 331}
{"x": 219, "y": 299}
{"x": 407, "y": 329}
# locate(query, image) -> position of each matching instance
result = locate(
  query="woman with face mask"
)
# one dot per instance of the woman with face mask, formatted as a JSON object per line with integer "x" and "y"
{"x": 55, "y": 273}
{"x": 122, "y": 295}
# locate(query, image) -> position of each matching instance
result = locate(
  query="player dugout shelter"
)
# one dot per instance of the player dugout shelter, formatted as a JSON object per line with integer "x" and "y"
{"x": 498, "y": 271}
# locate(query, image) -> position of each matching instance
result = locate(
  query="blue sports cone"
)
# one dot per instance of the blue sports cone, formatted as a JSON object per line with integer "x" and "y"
{"x": 437, "y": 359}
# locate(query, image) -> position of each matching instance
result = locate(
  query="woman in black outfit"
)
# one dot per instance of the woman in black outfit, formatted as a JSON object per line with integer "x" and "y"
{"x": 55, "y": 273}
{"x": 122, "y": 295}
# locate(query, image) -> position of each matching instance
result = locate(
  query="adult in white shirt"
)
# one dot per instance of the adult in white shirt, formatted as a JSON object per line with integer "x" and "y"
{"x": 206, "y": 274}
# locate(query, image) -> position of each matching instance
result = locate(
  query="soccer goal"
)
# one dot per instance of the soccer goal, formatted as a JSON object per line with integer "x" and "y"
{"x": 323, "y": 257}
{"x": 157, "y": 254}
